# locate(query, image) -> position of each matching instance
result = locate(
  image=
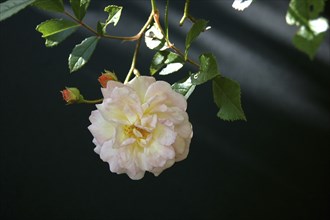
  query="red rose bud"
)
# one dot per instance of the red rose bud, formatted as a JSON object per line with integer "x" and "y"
{"x": 72, "y": 95}
{"x": 107, "y": 76}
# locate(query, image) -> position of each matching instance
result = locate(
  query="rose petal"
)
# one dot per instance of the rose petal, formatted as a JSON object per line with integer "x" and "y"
{"x": 101, "y": 129}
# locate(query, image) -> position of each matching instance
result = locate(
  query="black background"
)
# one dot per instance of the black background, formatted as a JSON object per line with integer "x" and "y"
{"x": 274, "y": 166}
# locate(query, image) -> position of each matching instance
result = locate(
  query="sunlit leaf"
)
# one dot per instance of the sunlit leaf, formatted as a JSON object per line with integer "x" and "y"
{"x": 50, "y": 5}
{"x": 155, "y": 39}
{"x": 308, "y": 42}
{"x": 167, "y": 62}
{"x": 56, "y": 30}
{"x": 184, "y": 87}
{"x": 208, "y": 69}
{"x": 114, "y": 17}
{"x": 114, "y": 14}
{"x": 300, "y": 10}
{"x": 312, "y": 28}
{"x": 82, "y": 53}
{"x": 227, "y": 96}
{"x": 11, "y": 7}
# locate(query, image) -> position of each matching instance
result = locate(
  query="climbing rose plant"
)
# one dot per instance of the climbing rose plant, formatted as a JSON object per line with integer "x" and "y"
{"x": 141, "y": 124}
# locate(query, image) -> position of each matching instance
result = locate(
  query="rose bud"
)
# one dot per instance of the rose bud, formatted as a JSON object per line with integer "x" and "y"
{"x": 107, "y": 76}
{"x": 72, "y": 95}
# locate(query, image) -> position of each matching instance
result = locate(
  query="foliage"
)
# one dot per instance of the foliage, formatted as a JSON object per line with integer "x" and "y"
{"x": 11, "y": 7}
{"x": 168, "y": 59}
{"x": 227, "y": 96}
{"x": 312, "y": 27}
{"x": 82, "y": 52}
{"x": 56, "y": 30}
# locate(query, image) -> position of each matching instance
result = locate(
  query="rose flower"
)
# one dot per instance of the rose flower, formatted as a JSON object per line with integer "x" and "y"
{"x": 141, "y": 126}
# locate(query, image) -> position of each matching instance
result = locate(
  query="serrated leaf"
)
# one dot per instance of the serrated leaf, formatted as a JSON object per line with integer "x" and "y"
{"x": 227, "y": 96}
{"x": 166, "y": 61}
{"x": 50, "y": 5}
{"x": 11, "y": 7}
{"x": 198, "y": 27}
{"x": 82, "y": 53}
{"x": 184, "y": 87}
{"x": 56, "y": 30}
{"x": 79, "y": 8}
{"x": 208, "y": 69}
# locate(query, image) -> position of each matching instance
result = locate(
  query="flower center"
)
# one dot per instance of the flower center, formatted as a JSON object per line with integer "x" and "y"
{"x": 135, "y": 132}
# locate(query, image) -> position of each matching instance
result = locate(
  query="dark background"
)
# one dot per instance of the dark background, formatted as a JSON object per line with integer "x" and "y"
{"x": 274, "y": 166}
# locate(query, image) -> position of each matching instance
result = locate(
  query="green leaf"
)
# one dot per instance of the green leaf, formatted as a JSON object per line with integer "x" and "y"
{"x": 198, "y": 27}
{"x": 307, "y": 42}
{"x": 50, "y": 5}
{"x": 11, "y": 7}
{"x": 79, "y": 8}
{"x": 208, "y": 69}
{"x": 184, "y": 87}
{"x": 311, "y": 27}
{"x": 167, "y": 62}
{"x": 100, "y": 28}
{"x": 114, "y": 14}
{"x": 56, "y": 30}
{"x": 302, "y": 10}
{"x": 227, "y": 96}
{"x": 82, "y": 53}
{"x": 114, "y": 17}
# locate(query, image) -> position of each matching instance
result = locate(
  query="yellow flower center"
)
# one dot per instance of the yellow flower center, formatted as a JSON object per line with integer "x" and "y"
{"x": 133, "y": 131}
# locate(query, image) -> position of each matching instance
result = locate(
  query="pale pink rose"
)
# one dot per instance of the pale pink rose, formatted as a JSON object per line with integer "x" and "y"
{"x": 141, "y": 126}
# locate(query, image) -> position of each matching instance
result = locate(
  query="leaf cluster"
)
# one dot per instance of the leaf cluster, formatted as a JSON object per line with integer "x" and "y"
{"x": 226, "y": 92}
{"x": 312, "y": 27}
